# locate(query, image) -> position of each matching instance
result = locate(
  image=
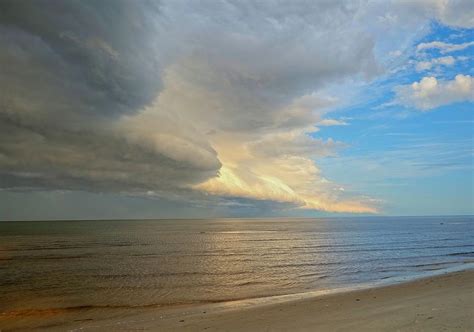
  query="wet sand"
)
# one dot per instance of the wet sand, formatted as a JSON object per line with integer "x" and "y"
{"x": 440, "y": 303}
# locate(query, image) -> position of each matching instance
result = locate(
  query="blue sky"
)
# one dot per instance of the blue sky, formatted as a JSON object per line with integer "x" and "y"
{"x": 236, "y": 108}
{"x": 413, "y": 160}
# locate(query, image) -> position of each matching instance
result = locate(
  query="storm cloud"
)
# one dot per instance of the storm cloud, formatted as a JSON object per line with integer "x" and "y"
{"x": 70, "y": 70}
{"x": 177, "y": 97}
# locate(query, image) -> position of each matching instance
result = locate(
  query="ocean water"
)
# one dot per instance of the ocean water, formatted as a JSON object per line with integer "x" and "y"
{"x": 161, "y": 263}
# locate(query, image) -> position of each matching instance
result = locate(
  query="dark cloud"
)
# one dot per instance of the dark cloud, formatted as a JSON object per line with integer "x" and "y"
{"x": 101, "y": 53}
{"x": 89, "y": 160}
{"x": 69, "y": 70}
{"x": 63, "y": 205}
{"x": 117, "y": 96}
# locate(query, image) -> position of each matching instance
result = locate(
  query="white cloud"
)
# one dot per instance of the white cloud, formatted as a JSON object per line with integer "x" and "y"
{"x": 294, "y": 144}
{"x": 331, "y": 122}
{"x": 443, "y": 61}
{"x": 395, "y": 54}
{"x": 444, "y": 47}
{"x": 430, "y": 92}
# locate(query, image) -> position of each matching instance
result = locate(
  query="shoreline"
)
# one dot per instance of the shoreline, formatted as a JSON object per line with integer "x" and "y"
{"x": 435, "y": 303}
{"x": 443, "y": 291}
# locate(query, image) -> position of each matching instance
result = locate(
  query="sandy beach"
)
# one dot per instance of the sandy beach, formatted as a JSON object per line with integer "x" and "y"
{"x": 440, "y": 303}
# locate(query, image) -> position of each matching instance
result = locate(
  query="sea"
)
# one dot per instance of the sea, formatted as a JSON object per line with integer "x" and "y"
{"x": 107, "y": 264}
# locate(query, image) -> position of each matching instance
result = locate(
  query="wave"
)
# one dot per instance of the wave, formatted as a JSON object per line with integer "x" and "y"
{"x": 468, "y": 254}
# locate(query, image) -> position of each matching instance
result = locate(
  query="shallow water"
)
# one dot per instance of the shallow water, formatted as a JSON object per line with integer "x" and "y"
{"x": 75, "y": 265}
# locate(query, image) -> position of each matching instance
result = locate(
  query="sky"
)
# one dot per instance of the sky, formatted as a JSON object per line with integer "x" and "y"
{"x": 196, "y": 109}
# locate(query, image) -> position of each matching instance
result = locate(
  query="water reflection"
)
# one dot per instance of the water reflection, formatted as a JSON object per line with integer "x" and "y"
{"x": 122, "y": 264}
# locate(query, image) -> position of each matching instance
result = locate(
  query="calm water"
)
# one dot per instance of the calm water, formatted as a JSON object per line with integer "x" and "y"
{"x": 117, "y": 264}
